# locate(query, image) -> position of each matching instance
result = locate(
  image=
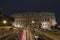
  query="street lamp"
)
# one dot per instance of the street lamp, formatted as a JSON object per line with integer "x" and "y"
{"x": 33, "y": 21}
{"x": 4, "y": 21}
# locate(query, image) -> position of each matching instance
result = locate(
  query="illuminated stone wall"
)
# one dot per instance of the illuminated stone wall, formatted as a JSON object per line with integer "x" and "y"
{"x": 25, "y": 18}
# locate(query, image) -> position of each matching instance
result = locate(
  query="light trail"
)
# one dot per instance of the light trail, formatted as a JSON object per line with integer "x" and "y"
{"x": 23, "y": 36}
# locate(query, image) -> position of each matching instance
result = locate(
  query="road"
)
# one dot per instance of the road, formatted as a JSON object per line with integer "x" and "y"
{"x": 9, "y": 34}
{"x": 50, "y": 35}
{"x": 28, "y": 34}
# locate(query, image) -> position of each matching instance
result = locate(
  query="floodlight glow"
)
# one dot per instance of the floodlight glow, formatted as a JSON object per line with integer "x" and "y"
{"x": 17, "y": 25}
{"x": 45, "y": 25}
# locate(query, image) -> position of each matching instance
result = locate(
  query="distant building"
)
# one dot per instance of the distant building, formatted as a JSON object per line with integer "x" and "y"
{"x": 44, "y": 19}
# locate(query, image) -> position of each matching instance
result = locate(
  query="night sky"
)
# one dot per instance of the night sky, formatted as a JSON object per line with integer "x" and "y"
{"x": 12, "y": 6}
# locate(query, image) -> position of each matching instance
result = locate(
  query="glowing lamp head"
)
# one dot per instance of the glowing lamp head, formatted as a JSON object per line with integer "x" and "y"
{"x": 4, "y": 21}
{"x": 33, "y": 22}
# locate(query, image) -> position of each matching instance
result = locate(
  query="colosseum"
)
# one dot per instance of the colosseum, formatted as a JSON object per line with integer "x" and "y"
{"x": 36, "y": 19}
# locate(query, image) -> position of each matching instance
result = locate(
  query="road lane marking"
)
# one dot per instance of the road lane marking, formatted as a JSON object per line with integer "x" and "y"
{"x": 31, "y": 36}
{"x": 8, "y": 37}
{"x": 48, "y": 35}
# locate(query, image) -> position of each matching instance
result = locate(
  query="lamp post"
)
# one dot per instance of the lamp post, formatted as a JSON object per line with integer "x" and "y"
{"x": 4, "y": 22}
{"x": 33, "y": 23}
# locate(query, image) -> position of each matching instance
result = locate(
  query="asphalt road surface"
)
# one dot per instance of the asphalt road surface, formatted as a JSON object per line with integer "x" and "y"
{"x": 27, "y": 34}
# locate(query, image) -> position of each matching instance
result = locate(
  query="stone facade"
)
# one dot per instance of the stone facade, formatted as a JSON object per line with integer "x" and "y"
{"x": 26, "y": 18}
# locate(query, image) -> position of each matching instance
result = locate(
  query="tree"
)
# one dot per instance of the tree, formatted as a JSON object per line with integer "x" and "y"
{"x": 10, "y": 19}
